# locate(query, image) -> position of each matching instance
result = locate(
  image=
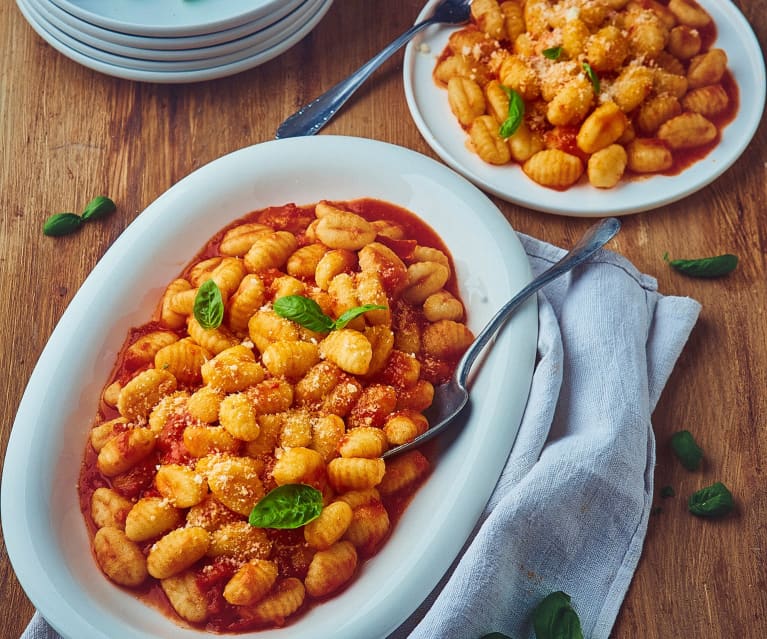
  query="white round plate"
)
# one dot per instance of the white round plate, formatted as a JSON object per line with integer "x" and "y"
{"x": 76, "y": 25}
{"x": 44, "y": 530}
{"x": 168, "y": 17}
{"x": 64, "y": 44}
{"x": 431, "y": 113}
{"x": 174, "y": 60}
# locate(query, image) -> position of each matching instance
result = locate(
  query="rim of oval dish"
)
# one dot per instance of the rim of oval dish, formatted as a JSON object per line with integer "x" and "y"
{"x": 431, "y": 113}
{"x": 44, "y": 529}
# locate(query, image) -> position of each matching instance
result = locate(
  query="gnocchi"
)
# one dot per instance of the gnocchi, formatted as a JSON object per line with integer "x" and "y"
{"x": 588, "y": 76}
{"x": 203, "y": 422}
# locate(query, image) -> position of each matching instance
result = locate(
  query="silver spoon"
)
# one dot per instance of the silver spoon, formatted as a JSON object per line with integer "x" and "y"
{"x": 311, "y": 118}
{"x": 451, "y": 397}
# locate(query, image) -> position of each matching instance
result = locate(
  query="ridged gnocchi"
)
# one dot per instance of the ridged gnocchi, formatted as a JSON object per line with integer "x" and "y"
{"x": 202, "y": 423}
{"x": 330, "y": 569}
{"x": 120, "y": 558}
{"x": 251, "y": 583}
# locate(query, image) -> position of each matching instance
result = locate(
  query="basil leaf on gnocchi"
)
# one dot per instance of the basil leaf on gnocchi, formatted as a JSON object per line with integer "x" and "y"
{"x": 209, "y": 305}
{"x": 288, "y": 506}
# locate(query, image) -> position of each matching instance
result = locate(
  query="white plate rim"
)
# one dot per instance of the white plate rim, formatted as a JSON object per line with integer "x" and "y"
{"x": 172, "y": 77}
{"x": 167, "y": 19}
{"x": 197, "y": 60}
{"x": 431, "y": 114}
{"x": 38, "y": 502}
{"x": 159, "y": 43}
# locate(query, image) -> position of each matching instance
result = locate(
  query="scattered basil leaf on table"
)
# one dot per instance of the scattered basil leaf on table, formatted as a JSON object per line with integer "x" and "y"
{"x": 60, "y": 224}
{"x": 64, "y": 223}
{"x": 591, "y": 75}
{"x": 209, "y": 305}
{"x": 713, "y": 501}
{"x": 306, "y": 312}
{"x": 716, "y": 266}
{"x": 667, "y": 491}
{"x": 555, "y": 618}
{"x": 287, "y": 506}
{"x": 553, "y": 53}
{"x": 686, "y": 449}
{"x": 516, "y": 113}
{"x": 97, "y": 208}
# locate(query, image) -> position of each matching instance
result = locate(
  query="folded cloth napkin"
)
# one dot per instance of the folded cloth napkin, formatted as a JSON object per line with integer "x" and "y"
{"x": 570, "y": 510}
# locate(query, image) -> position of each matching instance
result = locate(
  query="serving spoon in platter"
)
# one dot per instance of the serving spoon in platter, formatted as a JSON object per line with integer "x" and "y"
{"x": 309, "y": 119}
{"x": 452, "y": 397}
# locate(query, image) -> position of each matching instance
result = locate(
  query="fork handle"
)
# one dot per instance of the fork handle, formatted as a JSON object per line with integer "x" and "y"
{"x": 596, "y": 237}
{"x": 311, "y": 118}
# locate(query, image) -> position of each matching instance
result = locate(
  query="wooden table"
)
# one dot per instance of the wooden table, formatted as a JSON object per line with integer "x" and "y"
{"x": 68, "y": 133}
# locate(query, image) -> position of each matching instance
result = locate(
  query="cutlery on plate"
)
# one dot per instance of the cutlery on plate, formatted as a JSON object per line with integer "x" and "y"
{"x": 311, "y": 118}
{"x": 451, "y": 397}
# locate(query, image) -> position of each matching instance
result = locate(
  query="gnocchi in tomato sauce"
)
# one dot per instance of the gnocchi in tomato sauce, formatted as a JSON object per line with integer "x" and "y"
{"x": 596, "y": 91}
{"x": 223, "y": 397}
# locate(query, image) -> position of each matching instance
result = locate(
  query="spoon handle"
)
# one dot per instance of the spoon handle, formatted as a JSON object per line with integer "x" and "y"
{"x": 311, "y": 118}
{"x": 596, "y": 237}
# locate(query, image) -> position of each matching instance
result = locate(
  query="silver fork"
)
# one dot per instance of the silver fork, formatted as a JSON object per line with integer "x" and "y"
{"x": 451, "y": 398}
{"x": 311, "y": 118}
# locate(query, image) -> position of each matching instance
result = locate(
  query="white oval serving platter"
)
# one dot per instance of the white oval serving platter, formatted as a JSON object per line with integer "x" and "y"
{"x": 44, "y": 530}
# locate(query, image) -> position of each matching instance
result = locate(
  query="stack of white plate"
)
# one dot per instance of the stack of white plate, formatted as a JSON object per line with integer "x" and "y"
{"x": 172, "y": 40}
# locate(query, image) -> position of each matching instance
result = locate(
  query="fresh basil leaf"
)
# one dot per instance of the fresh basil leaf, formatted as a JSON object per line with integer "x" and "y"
{"x": 554, "y": 53}
{"x": 62, "y": 224}
{"x": 307, "y": 312}
{"x": 716, "y": 266}
{"x": 288, "y": 506}
{"x": 713, "y": 501}
{"x": 65, "y": 223}
{"x": 516, "y": 113}
{"x": 555, "y": 618}
{"x": 686, "y": 449}
{"x": 349, "y": 315}
{"x": 592, "y": 75}
{"x": 303, "y": 311}
{"x": 98, "y": 207}
{"x": 209, "y": 305}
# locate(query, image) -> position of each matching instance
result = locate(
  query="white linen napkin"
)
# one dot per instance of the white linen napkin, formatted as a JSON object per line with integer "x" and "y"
{"x": 570, "y": 510}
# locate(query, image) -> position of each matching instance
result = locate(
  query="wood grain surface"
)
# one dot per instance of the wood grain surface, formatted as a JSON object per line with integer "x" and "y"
{"x": 68, "y": 133}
